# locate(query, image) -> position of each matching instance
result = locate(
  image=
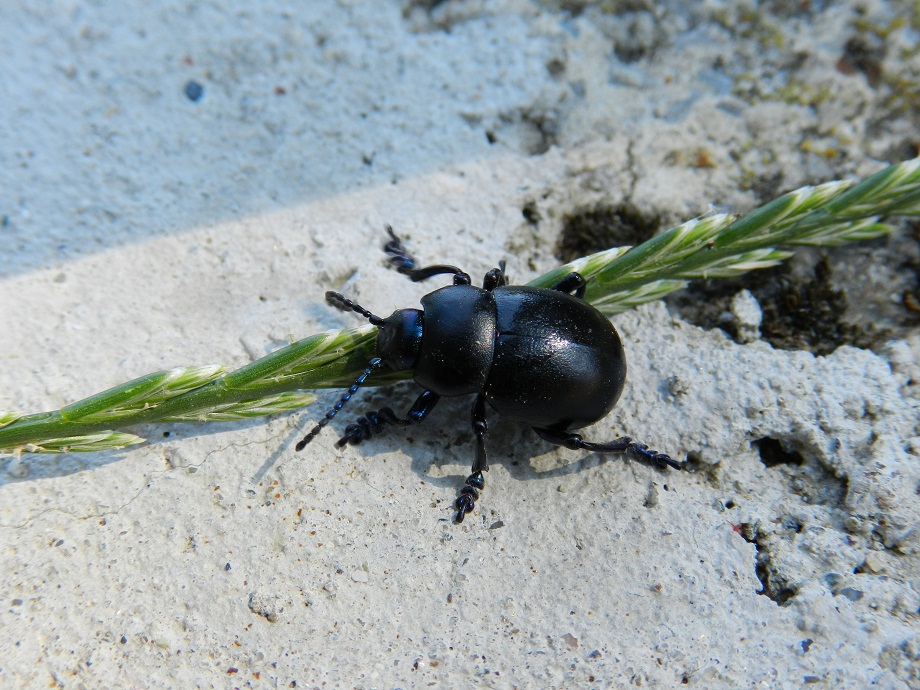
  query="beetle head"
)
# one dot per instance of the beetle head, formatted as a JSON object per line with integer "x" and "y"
{"x": 399, "y": 338}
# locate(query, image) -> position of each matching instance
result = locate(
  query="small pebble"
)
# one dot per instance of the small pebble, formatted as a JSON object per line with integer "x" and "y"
{"x": 193, "y": 90}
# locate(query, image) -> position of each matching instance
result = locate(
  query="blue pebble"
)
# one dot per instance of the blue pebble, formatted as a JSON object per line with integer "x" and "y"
{"x": 194, "y": 91}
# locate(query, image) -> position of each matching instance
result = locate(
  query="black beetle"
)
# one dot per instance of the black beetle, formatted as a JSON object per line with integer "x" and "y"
{"x": 544, "y": 357}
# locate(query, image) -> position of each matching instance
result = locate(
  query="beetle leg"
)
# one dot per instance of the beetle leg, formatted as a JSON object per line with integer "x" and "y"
{"x": 640, "y": 451}
{"x": 573, "y": 282}
{"x": 480, "y": 427}
{"x": 373, "y": 365}
{"x": 466, "y": 501}
{"x": 405, "y": 263}
{"x": 495, "y": 278}
{"x": 373, "y": 422}
{"x": 475, "y": 483}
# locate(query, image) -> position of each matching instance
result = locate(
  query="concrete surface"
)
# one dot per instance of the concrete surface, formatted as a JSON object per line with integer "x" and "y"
{"x": 144, "y": 230}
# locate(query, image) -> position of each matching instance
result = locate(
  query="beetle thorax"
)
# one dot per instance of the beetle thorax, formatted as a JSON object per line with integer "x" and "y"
{"x": 458, "y": 342}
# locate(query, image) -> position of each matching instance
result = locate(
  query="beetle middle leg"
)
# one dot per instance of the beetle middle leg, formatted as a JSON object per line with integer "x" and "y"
{"x": 475, "y": 483}
{"x": 639, "y": 451}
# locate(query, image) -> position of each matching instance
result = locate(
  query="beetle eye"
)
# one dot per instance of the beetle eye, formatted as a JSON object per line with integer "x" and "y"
{"x": 399, "y": 338}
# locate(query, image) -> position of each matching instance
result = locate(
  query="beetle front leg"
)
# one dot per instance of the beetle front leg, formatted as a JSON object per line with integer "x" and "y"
{"x": 475, "y": 483}
{"x": 372, "y": 423}
{"x": 495, "y": 278}
{"x": 623, "y": 445}
{"x": 405, "y": 263}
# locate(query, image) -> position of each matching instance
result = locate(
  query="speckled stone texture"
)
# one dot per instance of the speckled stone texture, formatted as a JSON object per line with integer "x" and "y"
{"x": 180, "y": 183}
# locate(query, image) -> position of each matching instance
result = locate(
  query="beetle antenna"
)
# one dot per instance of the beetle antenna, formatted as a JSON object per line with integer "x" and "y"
{"x": 372, "y": 366}
{"x": 341, "y": 302}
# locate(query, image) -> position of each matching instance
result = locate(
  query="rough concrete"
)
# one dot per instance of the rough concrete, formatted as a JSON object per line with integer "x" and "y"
{"x": 144, "y": 230}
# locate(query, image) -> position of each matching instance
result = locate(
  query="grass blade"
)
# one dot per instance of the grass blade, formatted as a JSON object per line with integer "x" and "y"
{"x": 714, "y": 246}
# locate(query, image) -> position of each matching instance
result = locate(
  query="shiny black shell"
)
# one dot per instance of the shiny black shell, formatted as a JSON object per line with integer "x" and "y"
{"x": 539, "y": 356}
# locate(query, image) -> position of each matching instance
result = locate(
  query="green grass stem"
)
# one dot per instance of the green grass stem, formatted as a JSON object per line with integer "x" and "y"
{"x": 714, "y": 246}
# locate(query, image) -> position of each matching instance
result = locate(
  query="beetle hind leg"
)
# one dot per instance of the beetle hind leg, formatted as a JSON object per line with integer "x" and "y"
{"x": 639, "y": 451}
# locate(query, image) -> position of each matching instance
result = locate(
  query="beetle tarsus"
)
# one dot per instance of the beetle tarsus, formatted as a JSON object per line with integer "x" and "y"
{"x": 653, "y": 457}
{"x": 469, "y": 494}
{"x": 372, "y": 423}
